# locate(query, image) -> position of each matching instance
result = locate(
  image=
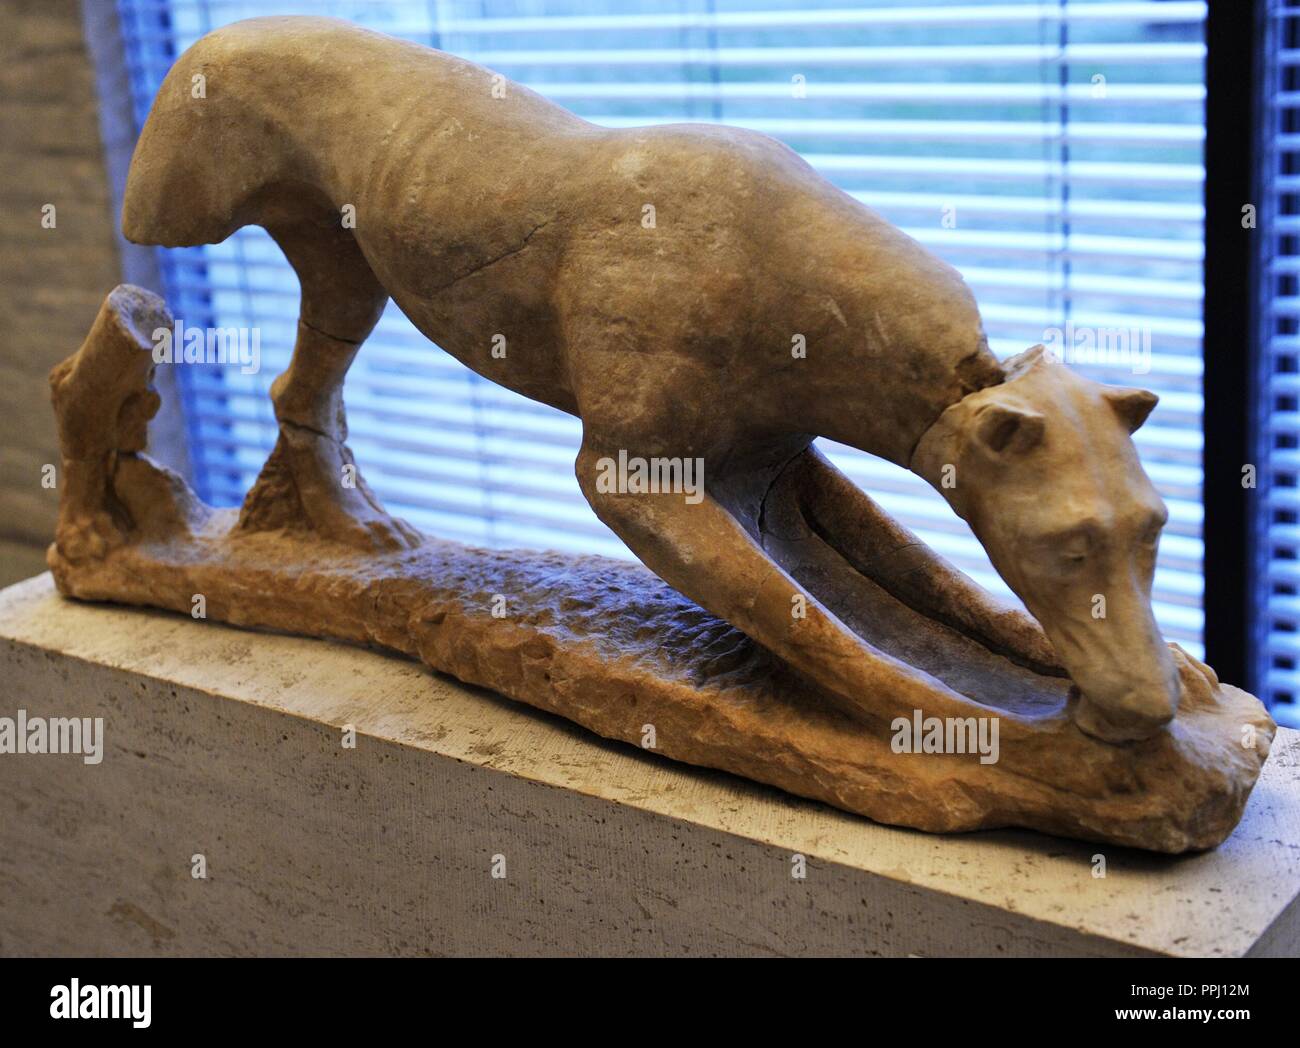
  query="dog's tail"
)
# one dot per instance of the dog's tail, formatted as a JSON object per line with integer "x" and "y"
{"x": 208, "y": 144}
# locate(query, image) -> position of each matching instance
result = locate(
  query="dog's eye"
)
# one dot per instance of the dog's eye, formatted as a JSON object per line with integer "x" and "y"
{"x": 1073, "y": 546}
{"x": 1074, "y": 550}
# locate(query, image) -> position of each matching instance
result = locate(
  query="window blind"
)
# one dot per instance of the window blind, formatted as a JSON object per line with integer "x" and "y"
{"x": 1052, "y": 151}
{"x": 1277, "y": 644}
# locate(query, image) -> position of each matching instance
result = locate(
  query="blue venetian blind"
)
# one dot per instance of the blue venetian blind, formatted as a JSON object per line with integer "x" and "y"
{"x": 1052, "y": 151}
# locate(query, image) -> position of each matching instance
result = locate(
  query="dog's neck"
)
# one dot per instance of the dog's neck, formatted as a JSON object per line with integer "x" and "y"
{"x": 935, "y": 455}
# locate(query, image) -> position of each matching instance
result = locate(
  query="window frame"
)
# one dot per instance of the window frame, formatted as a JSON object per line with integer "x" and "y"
{"x": 1232, "y": 567}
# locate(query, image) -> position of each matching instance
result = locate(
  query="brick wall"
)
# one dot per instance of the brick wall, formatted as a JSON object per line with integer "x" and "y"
{"x": 51, "y": 280}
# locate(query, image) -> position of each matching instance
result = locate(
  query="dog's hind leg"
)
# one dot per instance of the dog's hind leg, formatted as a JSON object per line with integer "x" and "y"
{"x": 311, "y": 479}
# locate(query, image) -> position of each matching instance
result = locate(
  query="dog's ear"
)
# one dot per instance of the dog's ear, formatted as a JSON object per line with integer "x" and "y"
{"x": 1005, "y": 429}
{"x": 1013, "y": 366}
{"x": 1131, "y": 405}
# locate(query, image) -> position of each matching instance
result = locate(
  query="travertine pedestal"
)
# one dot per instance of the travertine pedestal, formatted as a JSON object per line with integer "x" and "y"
{"x": 230, "y": 745}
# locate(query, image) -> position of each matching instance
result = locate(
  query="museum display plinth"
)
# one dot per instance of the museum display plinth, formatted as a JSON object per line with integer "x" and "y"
{"x": 229, "y": 745}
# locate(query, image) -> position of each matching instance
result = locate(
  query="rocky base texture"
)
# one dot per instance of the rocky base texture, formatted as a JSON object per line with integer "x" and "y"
{"x": 609, "y": 646}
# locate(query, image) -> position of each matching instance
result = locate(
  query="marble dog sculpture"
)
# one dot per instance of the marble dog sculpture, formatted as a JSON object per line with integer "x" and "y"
{"x": 484, "y": 210}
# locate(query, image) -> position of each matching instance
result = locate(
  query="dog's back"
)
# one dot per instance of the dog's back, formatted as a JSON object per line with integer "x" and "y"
{"x": 485, "y": 210}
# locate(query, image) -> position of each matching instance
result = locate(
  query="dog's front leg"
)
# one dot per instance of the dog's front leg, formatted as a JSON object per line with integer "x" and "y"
{"x": 701, "y": 550}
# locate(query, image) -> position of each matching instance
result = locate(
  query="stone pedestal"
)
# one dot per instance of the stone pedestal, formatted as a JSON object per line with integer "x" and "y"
{"x": 226, "y": 752}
